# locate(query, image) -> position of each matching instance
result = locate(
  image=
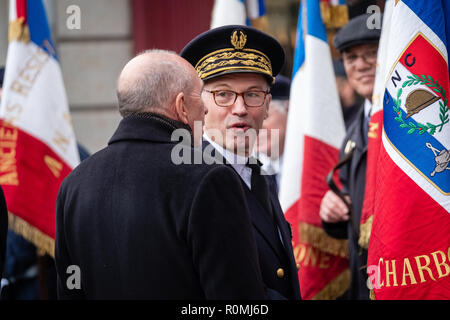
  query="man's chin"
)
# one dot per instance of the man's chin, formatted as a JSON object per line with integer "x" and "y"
{"x": 366, "y": 92}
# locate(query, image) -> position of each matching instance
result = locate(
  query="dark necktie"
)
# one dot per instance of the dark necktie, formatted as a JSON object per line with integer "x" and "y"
{"x": 366, "y": 129}
{"x": 259, "y": 186}
{"x": 366, "y": 126}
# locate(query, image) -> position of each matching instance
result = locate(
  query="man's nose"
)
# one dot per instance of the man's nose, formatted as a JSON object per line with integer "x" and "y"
{"x": 361, "y": 63}
{"x": 239, "y": 107}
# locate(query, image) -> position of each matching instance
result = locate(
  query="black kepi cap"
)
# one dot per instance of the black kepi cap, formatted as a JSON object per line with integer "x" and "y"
{"x": 281, "y": 88}
{"x": 356, "y": 32}
{"x": 234, "y": 49}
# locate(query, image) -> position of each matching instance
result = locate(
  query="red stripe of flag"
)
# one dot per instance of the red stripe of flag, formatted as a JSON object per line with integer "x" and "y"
{"x": 28, "y": 169}
{"x": 421, "y": 58}
{"x": 317, "y": 267}
{"x": 21, "y": 9}
{"x": 410, "y": 233}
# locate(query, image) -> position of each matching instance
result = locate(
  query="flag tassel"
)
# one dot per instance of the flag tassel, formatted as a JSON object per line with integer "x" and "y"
{"x": 364, "y": 233}
{"x": 335, "y": 288}
{"x": 18, "y": 31}
{"x": 44, "y": 243}
{"x": 317, "y": 238}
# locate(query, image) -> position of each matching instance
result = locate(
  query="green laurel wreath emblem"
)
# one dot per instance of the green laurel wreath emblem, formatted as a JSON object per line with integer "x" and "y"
{"x": 443, "y": 108}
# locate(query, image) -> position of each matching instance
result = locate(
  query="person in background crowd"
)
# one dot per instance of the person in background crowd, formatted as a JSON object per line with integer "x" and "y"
{"x": 351, "y": 102}
{"x": 270, "y": 150}
{"x": 341, "y": 213}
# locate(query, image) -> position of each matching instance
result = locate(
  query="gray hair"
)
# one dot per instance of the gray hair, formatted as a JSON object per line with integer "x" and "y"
{"x": 156, "y": 87}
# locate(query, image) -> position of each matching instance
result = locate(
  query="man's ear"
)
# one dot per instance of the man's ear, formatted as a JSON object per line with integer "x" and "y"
{"x": 181, "y": 108}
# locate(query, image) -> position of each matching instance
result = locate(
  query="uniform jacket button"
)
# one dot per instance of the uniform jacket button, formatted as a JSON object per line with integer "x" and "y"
{"x": 298, "y": 266}
{"x": 280, "y": 273}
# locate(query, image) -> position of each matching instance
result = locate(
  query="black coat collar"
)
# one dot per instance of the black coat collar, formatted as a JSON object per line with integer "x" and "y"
{"x": 148, "y": 126}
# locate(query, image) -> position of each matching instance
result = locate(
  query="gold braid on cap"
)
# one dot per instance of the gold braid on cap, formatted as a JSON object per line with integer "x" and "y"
{"x": 236, "y": 58}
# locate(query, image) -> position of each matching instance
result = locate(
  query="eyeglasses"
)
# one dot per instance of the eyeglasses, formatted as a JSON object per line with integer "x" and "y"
{"x": 226, "y": 98}
{"x": 369, "y": 57}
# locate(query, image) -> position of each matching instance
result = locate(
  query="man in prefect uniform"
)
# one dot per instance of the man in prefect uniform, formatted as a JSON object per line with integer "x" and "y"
{"x": 131, "y": 223}
{"x": 358, "y": 45}
{"x": 238, "y": 65}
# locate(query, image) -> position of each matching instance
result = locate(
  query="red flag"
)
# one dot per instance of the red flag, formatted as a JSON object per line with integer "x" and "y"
{"x": 410, "y": 238}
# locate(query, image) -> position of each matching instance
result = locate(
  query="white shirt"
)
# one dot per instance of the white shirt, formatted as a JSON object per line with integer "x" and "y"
{"x": 367, "y": 108}
{"x": 271, "y": 166}
{"x": 237, "y": 162}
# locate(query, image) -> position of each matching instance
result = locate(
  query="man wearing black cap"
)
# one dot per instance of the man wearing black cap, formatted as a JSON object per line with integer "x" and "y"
{"x": 3, "y": 210}
{"x": 358, "y": 45}
{"x": 238, "y": 65}
{"x": 270, "y": 146}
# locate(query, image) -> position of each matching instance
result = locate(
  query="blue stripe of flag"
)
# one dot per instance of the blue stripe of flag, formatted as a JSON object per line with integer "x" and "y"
{"x": 262, "y": 7}
{"x": 38, "y": 25}
{"x": 314, "y": 27}
{"x": 299, "y": 55}
{"x": 446, "y": 11}
{"x": 434, "y": 14}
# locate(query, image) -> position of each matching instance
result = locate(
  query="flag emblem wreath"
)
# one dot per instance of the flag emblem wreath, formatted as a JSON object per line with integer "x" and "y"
{"x": 419, "y": 121}
{"x": 421, "y": 100}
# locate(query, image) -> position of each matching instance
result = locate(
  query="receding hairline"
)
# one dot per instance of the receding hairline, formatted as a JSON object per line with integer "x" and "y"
{"x": 139, "y": 61}
{"x": 152, "y": 80}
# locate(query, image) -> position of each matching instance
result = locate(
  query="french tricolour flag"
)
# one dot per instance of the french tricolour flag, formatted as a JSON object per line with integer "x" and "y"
{"x": 37, "y": 142}
{"x": 315, "y": 131}
{"x": 409, "y": 246}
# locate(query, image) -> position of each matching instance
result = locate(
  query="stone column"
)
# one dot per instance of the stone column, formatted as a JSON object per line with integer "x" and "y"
{"x": 91, "y": 59}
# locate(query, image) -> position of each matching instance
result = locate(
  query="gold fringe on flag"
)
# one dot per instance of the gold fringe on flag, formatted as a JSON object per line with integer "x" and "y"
{"x": 334, "y": 16}
{"x": 44, "y": 243}
{"x": 335, "y": 288}
{"x": 318, "y": 238}
{"x": 364, "y": 233}
{"x": 18, "y": 31}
